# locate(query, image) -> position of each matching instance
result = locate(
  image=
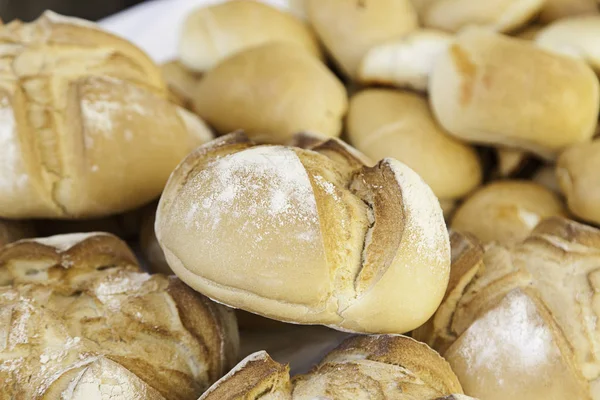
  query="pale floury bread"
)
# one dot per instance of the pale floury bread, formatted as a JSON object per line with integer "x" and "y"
{"x": 307, "y": 236}
{"x": 11, "y": 231}
{"x": 575, "y": 36}
{"x": 506, "y": 211}
{"x": 86, "y": 129}
{"x": 539, "y": 101}
{"x": 521, "y": 323}
{"x": 348, "y": 29}
{"x": 285, "y": 91}
{"x": 499, "y": 15}
{"x": 405, "y": 62}
{"x": 383, "y": 367}
{"x": 558, "y": 9}
{"x": 80, "y": 322}
{"x": 578, "y": 173}
{"x": 399, "y": 124}
{"x": 211, "y": 34}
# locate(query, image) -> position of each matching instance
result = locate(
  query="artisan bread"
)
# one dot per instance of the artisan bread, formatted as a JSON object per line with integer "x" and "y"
{"x": 211, "y": 34}
{"x": 405, "y": 62}
{"x": 520, "y": 323}
{"x": 363, "y": 367}
{"x": 577, "y": 171}
{"x": 575, "y": 36}
{"x": 307, "y": 236}
{"x": 273, "y": 105}
{"x": 558, "y": 9}
{"x": 88, "y": 129}
{"x": 181, "y": 82}
{"x": 499, "y": 15}
{"x": 365, "y": 25}
{"x": 389, "y": 123}
{"x": 506, "y": 211}
{"x": 80, "y": 322}
{"x": 539, "y": 101}
{"x": 11, "y": 231}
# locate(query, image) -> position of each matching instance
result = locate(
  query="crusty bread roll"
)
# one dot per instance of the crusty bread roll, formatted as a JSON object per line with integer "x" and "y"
{"x": 558, "y": 9}
{"x": 307, "y": 236}
{"x": 385, "y": 367}
{"x": 365, "y": 25}
{"x": 578, "y": 173}
{"x": 81, "y": 323}
{"x": 499, "y": 15}
{"x": 389, "y": 123}
{"x": 11, "y": 231}
{"x": 88, "y": 130}
{"x": 520, "y": 323}
{"x": 181, "y": 82}
{"x": 405, "y": 62}
{"x": 506, "y": 211}
{"x": 286, "y": 91}
{"x": 574, "y": 36}
{"x": 488, "y": 88}
{"x": 211, "y": 34}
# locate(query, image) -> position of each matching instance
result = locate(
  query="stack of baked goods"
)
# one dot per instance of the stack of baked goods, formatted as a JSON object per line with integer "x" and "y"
{"x": 419, "y": 179}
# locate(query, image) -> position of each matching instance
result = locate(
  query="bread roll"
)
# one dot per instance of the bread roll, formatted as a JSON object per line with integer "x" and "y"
{"x": 80, "y": 323}
{"x": 365, "y": 25}
{"x": 578, "y": 173}
{"x": 510, "y": 161}
{"x": 574, "y": 36}
{"x": 362, "y": 367}
{"x": 274, "y": 104}
{"x": 389, "y": 123}
{"x": 87, "y": 129}
{"x": 212, "y": 34}
{"x": 506, "y": 211}
{"x": 181, "y": 82}
{"x": 492, "y": 89}
{"x": 522, "y": 322}
{"x": 499, "y": 15}
{"x": 546, "y": 176}
{"x": 11, "y": 231}
{"x": 405, "y": 62}
{"x": 558, "y": 9}
{"x": 307, "y": 236}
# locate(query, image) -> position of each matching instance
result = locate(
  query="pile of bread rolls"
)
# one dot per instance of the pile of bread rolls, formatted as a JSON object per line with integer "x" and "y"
{"x": 420, "y": 178}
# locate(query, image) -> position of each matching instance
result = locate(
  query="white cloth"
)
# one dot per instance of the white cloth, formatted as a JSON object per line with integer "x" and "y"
{"x": 154, "y": 26}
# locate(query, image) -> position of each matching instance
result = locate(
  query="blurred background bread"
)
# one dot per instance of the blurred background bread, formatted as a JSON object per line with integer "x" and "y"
{"x": 181, "y": 82}
{"x": 329, "y": 241}
{"x": 520, "y": 323}
{"x": 506, "y": 211}
{"x": 272, "y": 92}
{"x": 104, "y": 330}
{"x": 390, "y": 123}
{"x": 362, "y": 367}
{"x": 211, "y": 34}
{"x": 492, "y": 89}
{"x": 557, "y": 9}
{"x": 88, "y": 129}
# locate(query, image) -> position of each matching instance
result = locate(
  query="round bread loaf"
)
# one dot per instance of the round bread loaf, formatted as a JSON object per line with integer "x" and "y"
{"x": 405, "y": 62}
{"x": 363, "y": 367}
{"x": 86, "y": 129}
{"x": 80, "y": 322}
{"x": 558, "y": 9}
{"x": 539, "y": 101}
{"x": 520, "y": 323}
{"x": 306, "y": 236}
{"x": 285, "y": 91}
{"x": 577, "y": 171}
{"x": 11, "y": 231}
{"x": 389, "y": 123}
{"x": 365, "y": 24}
{"x": 211, "y": 34}
{"x": 499, "y": 15}
{"x": 506, "y": 211}
{"x": 575, "y": 36}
